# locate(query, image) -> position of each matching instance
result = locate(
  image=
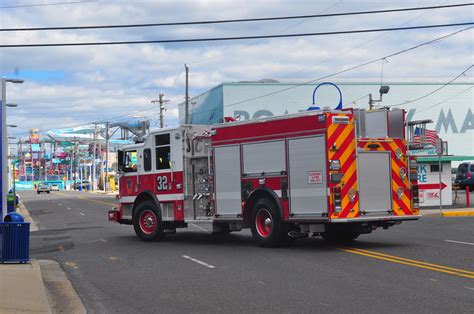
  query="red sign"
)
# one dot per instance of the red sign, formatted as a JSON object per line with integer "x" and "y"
{"x": 431, "y": 186}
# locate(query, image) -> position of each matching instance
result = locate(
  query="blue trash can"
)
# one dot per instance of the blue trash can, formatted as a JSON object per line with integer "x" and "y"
{"x": 14, "y": 239}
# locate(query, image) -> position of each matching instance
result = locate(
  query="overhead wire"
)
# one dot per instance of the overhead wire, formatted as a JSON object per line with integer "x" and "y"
{"x": 109, "y": 119}
{"x": 214, "y": 39}
{"x": 44, "y": 4}
{"x": 259, "y": 19}
{"x": 326, "y": 76}
{"x": 333, "y": 57}
{"x": 259, "y": 41}
{"x": 436, "y": 90}
{"x": 446, "y": 100}
{"x": 350, "y": 68}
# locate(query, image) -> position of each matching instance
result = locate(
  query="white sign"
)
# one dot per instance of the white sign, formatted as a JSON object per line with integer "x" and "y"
{"x": 315, "y": 177}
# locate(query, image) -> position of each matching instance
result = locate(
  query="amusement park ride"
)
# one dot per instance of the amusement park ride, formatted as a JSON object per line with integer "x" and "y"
{"x": 66, "y": 156}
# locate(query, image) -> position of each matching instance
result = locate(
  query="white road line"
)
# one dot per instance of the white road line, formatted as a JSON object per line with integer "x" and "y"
{"x": 60, "y": 204}
{"x": 198, "y": 261}
{"x": 82, "y": 214}
{"x": 468, "y": 243}
{"x": 199, "y": 227}
{"x": 69, "y": 208}
{"x": 469, "y": 288}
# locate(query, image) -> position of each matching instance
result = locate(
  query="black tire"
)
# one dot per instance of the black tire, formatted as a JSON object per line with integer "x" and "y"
{"x": 47, "y": 192}
{"x": 147, "y": 222}
{"x": 38, "y": 192}
{"x": 341, "y": 236}
{"x": 266, "y": 224}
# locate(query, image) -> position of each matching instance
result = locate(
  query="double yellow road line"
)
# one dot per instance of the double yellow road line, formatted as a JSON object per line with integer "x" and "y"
{"x": 88, "y": 199}
{"x": 409, "y": 262}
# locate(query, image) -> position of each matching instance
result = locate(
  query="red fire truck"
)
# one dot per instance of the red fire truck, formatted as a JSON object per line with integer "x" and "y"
{"x": 334, "y": 173}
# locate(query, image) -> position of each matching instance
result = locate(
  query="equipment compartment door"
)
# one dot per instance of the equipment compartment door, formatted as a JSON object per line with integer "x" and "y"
{"x": 375, "y": 181}
{"x": 308, "y": 178}
{"x": 227, "y": 176}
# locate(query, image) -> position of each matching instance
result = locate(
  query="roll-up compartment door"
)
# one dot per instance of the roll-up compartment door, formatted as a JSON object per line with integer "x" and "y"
{"x": 308, "y": 175}
{"x": 227, "y": 180}
{"x": 375, "y": 181}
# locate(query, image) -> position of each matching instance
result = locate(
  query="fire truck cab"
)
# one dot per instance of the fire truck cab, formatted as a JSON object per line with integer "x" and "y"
{"x": 334, "y": 173}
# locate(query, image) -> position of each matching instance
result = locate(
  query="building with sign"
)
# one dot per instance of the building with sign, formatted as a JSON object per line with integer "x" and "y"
{"x": 428, "y": 179}
{"x": 450, "y": 107}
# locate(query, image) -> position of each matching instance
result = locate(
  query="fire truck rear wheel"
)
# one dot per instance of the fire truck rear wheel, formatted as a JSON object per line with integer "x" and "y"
{"x": 146, "y": 223}
{"x": 267, "y": 227}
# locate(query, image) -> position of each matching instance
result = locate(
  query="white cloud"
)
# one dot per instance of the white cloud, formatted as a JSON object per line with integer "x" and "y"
{"x": 106, "y": 81}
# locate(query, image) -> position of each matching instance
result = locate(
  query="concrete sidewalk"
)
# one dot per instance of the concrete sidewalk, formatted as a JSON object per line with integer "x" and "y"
{"x": 40, "y": 286}
{"x": 22, "y": 289}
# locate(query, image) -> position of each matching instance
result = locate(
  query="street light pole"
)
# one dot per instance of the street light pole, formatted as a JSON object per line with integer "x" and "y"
{"x": 4, "y": 144}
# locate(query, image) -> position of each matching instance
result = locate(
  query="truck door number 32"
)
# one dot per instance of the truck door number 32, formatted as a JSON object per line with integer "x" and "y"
{"x": 162, "y": 183}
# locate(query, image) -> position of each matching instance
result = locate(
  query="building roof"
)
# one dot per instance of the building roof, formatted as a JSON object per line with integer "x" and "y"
{"x": 427, "y": 159}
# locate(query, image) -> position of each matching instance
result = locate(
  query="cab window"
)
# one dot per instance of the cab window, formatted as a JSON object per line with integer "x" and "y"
{"x": 130, "y": 161}
{"x": 163, "y": 151}
{"x": 147, "y": 159}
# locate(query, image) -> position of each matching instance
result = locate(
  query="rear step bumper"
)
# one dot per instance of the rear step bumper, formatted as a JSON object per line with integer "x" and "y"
{"x": 377, "y": 218}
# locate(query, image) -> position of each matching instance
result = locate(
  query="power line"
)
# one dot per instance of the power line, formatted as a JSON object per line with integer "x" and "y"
{"x": 260, "y": 41}
{"x": 106, "y": 119}
{"x": 260, "y": 19}
{"x": 436, "y": 90}
{"x": 350, "y": 69}
{"x": 307, "y": 82}
{"x": 417, "y": 17}
{"x": 164, "y": 41}
{"x": 448, "y": 99}
{"x": 43, "y": 4}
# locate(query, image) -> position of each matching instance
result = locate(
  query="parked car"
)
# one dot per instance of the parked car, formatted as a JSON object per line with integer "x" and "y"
{"x": 42, "y": 187}
{"x": 84, "y": 185}
{"x": 54, "y": 187}
{"x": 454, "y": 172}
{"x": 465, "y": 175}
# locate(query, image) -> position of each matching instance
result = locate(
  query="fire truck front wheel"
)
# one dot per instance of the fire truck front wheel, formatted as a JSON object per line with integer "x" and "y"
{"x": 267, "y": 227}
{"x": 146, "y": 223}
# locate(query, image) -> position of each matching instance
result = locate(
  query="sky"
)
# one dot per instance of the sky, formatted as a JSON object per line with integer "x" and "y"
{"x": 69, "y": 86}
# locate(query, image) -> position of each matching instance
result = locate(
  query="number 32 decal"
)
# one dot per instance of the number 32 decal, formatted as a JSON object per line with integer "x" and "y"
{"x": 162, "y": 183}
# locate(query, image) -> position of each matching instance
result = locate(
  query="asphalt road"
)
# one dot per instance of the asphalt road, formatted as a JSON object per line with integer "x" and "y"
{"x": 425, "y": 266}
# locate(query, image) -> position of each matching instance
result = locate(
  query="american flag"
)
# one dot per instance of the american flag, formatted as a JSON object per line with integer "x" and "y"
{"x": 425, "y": 137}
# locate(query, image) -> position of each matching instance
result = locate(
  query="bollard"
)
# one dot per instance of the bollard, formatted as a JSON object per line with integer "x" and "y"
{"x": 468, "y": 203}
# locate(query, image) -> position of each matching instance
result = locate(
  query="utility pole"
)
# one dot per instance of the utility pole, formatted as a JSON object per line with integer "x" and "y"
{"x": 107, "y": 146}
{"x": 101, "y": 163}
{"x": 161, "y": 101}
{"x": 75, "y": 165}
{"x": 186, "y": 100}
{"x": 94, "y": 153}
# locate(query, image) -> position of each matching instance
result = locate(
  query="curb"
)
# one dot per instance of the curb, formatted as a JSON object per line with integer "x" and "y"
{"x": 61, "y": 294}
{"x": 448, "y": 213}
{"x": 465, "y": 213}
{"x": 26, "y": 215}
